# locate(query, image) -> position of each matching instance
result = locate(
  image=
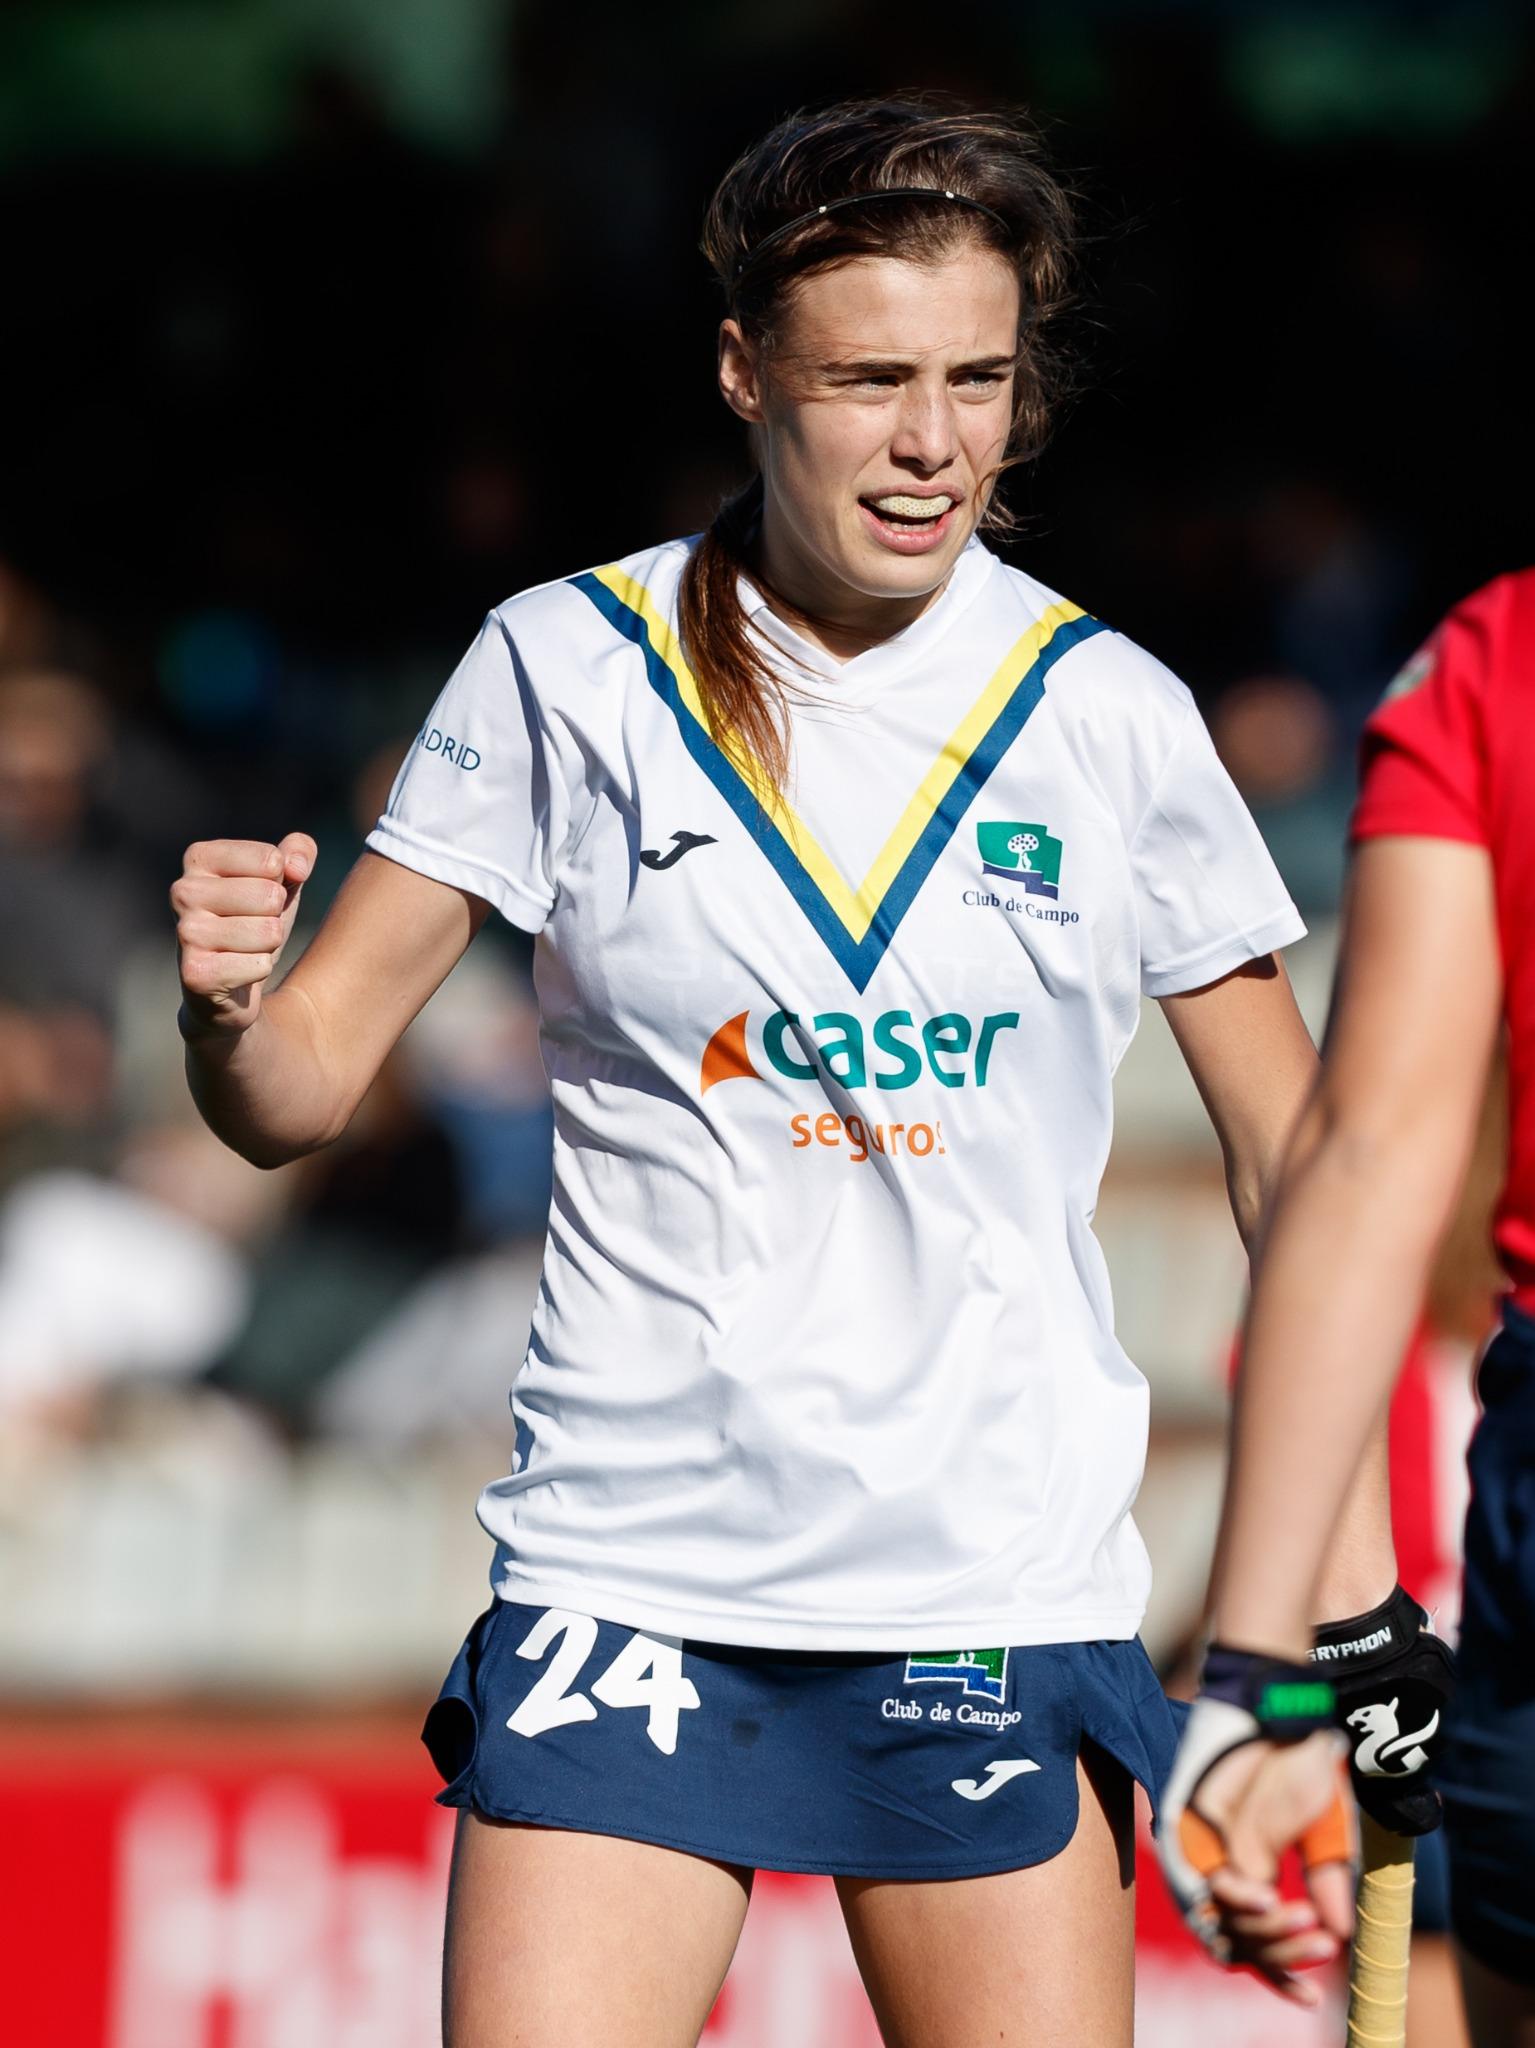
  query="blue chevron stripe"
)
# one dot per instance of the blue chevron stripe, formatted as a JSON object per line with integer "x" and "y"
{"x": 857, "y": 958}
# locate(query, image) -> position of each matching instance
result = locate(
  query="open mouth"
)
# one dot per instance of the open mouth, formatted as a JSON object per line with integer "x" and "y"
{"x": 907, "y": 521}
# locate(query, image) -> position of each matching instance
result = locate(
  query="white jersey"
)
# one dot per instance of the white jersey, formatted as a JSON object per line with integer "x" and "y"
{"x": 823, "y": 1354}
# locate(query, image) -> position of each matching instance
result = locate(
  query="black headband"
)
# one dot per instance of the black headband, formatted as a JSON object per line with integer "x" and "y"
{"x": 862, "y": 199}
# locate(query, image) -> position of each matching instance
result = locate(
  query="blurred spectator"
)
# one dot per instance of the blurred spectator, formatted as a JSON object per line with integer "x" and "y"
{"x": 111, "y": 1287}
{"x": 471, "y": 1321}
{"x": 25, "y": 625}
{"x": 69, "y": 911}
{"x": 1337, "y": 587}
{"x": 101, "y": 1282}
{"x": 475, "y": 1053}
{"x": 341, "y": 828}
{"x": 370, "y": 1216}
{"x": 92, "y": 812}
{"x": 1279, "y": 740}
{"x": 55, "y": 1072}
{"x": 54, "y": 737}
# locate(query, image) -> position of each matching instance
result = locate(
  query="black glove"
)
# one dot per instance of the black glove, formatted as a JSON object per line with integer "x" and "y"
{"x": 1394, "y": 1679}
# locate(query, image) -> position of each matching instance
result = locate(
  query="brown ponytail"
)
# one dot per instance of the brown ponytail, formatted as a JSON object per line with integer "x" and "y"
{"x": 763, "y": 233}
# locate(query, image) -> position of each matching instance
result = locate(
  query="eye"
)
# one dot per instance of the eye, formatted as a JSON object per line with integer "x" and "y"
{"x": 983, "y": 378}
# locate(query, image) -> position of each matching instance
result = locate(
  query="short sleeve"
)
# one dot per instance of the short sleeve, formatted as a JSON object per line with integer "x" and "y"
{"x": 1423, "y": 756}
{"x": 1208, "y": 894}
{"x": 481, "y": 802}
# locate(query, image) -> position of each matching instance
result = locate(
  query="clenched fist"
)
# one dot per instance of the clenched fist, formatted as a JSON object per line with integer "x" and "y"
{"x": 235, "y": 901}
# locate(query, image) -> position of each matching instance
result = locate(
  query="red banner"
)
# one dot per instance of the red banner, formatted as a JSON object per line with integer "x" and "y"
{"x": 186, "y": 1889}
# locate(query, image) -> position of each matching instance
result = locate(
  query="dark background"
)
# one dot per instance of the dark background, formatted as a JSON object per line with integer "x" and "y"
{"x": 293, "y": 393}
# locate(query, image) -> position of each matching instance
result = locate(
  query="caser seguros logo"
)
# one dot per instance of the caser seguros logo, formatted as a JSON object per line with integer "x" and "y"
{"x": 893, "y": 1052}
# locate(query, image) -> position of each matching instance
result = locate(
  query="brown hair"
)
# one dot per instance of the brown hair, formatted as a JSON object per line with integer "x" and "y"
{"x": 759, "y": 247}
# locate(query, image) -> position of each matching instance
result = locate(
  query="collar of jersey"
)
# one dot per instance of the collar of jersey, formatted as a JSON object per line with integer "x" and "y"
{"x": 855, "y": 923}
{"x": 856, "y": 681}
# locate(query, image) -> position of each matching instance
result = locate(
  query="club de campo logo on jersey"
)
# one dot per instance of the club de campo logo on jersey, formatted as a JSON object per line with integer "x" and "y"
{"x": 1029, "y": 858}
{"x": 1023, "y": 854}
{"x": 978, "y": 1671}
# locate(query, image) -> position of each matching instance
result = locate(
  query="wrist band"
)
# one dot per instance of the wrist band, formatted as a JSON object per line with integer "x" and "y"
{"x": 1288, "y": 1701}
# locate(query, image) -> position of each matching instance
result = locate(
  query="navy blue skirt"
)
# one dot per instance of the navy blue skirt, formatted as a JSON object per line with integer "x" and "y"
{"x": 1487, "y": 1773}
{"x": 950, "y": 1765}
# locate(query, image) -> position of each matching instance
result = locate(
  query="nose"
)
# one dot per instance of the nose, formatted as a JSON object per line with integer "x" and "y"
{"x": 926, "y": 436}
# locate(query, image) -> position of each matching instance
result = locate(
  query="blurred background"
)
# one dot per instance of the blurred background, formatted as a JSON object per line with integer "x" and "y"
{"x": 324, "y": 326}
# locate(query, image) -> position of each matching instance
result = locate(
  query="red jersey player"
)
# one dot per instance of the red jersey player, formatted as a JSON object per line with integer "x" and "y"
{"x": 1439, "y": 955}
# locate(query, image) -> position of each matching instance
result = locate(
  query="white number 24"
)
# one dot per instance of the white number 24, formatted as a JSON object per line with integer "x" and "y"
{"x": 647, "y": 1672}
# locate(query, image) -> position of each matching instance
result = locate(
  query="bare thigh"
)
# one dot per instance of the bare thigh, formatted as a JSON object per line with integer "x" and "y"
{"x": 1436, "y": 2015}
{"x": 1037, "y": 1958}
{"x": 1501, "y": 2013}
{"x": 556, "y": 1937}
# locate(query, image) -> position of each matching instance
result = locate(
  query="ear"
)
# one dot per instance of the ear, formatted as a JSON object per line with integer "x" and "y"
{"x": 740, "y": 373}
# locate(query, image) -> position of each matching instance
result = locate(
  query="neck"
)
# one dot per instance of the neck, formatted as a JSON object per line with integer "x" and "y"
{"x": 833, "y": 616}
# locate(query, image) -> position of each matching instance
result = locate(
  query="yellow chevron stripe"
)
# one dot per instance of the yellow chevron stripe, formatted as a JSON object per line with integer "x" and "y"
{"x": 854, "y": 908}
{"x": 796, "y": 834}
{"x": 955, "y": 752}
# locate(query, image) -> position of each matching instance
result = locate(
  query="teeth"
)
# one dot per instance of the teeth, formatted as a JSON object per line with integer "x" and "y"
{"x": 912, "y": 508}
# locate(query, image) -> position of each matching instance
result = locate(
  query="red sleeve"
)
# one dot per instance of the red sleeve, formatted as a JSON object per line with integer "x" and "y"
{"x": 1423, "y": 758}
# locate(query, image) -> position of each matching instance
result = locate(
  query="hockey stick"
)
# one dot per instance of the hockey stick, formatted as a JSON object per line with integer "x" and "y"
{"x": 1377, "y": 1977}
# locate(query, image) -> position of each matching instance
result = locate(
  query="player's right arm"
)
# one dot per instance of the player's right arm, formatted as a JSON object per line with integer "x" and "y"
{"x": 278, "y": 1075}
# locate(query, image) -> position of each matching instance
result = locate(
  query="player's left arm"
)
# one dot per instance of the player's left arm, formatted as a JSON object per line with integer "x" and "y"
{"x": 1251, "y": 1058}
